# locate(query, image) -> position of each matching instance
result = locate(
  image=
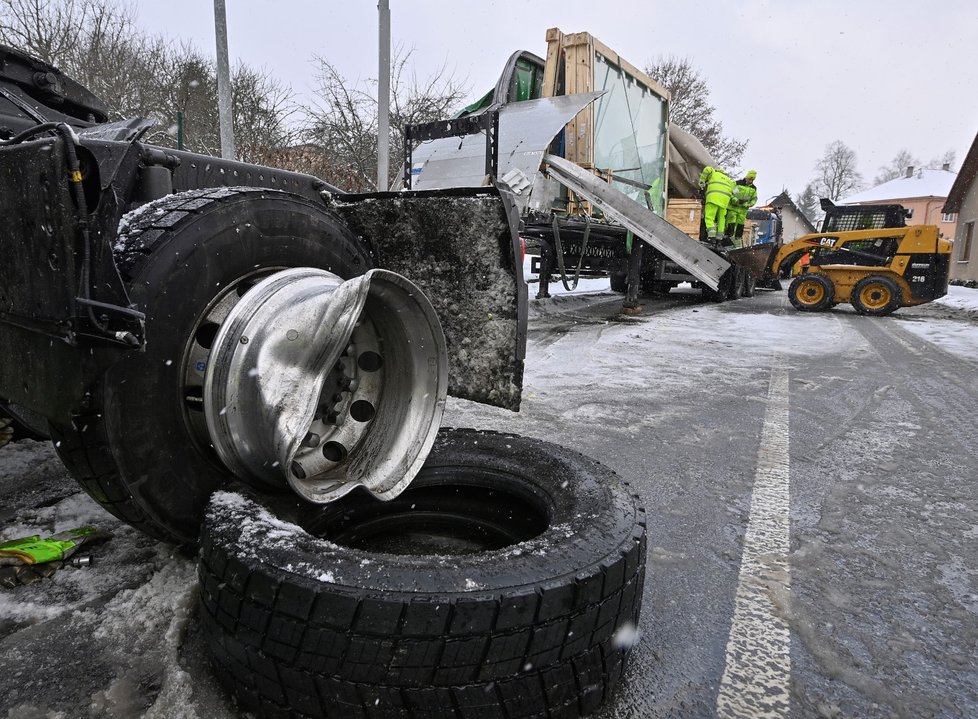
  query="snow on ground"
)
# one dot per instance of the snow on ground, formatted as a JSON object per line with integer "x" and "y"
{"x": 124, "y": 625}
{"x": 946, "y": 322}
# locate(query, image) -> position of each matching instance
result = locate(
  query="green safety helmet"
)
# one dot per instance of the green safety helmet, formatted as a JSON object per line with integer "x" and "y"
{"x": 751, "y": 174}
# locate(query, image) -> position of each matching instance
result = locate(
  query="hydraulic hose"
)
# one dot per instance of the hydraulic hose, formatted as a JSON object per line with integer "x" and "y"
{"x": 560, "y": 253}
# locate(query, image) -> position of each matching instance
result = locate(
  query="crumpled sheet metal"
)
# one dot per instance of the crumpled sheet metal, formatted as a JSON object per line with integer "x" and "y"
{"x": 526, "y": 130}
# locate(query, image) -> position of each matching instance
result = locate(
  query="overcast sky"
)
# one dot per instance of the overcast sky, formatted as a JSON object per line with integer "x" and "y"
{"x": 789, "y": 76}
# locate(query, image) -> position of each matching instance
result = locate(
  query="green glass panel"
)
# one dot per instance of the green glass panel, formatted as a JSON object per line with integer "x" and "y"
{"x": 630, "y": 133}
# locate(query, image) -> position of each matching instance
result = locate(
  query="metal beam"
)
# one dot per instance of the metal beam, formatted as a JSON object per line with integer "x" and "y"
{"x": 697, "y": 259}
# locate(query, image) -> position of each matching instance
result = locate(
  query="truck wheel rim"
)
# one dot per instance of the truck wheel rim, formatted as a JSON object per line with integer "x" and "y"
{"x": 324, "y": 385}
{"x": 197, "y": 354}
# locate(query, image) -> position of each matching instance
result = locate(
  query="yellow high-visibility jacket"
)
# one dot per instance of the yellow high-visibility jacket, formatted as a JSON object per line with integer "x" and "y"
{"x": 718, "y": 185}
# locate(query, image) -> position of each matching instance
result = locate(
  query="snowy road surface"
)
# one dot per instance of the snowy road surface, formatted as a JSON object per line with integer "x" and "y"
{"x": 810, "y": 481}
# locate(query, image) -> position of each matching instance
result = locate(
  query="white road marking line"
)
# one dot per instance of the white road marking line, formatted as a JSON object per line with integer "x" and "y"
{"x": 757, "y": 674}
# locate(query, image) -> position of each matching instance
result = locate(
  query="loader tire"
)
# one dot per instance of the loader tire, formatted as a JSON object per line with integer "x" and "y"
{"x": 876, "y": 296}
{"x": 506, "y": 581}
{"x": 140, "y": 451}
{"x": 811, "y": 292}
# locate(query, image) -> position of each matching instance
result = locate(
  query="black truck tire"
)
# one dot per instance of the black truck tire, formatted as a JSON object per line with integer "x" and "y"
{"x": 811, "y": 292}
{"x": 516, "y": 591}
{"x": 750, "y": 284}
{"x": 135, "y": 451}
{"x": 876, "y": 296}
{"x": 619, "y": 282}
{"x": 723, "y": 290}
{"x": 737, "y": 283}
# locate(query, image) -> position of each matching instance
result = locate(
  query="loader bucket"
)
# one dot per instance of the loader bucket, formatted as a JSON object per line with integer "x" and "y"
{"x": 755, "y": 258}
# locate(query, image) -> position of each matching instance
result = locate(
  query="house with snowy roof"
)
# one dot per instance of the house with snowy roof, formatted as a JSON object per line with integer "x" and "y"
{"x": 794, "y": 224}
{"x": 962, "y": 201}
{"x": 922, "y": 190}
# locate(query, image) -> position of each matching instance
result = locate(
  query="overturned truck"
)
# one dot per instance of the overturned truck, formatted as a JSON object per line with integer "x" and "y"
{"x": 584, "y": 142}
{"x": 181, "y": 324}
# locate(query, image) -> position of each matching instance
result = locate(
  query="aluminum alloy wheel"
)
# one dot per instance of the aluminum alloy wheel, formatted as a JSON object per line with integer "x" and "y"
{"x": 327, "y": 384}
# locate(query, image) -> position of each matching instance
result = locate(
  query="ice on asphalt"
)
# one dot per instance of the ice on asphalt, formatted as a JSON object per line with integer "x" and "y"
{"x": 135, "y": 602}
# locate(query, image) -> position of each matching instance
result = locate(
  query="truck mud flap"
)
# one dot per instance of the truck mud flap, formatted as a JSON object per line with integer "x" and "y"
{"x": 48, "y": 353}
{"x": 461, "y": 247}
{"x": 694, "y": 257}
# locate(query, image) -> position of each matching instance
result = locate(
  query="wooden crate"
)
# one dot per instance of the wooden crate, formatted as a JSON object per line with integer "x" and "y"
{"x": 686, "y": 215}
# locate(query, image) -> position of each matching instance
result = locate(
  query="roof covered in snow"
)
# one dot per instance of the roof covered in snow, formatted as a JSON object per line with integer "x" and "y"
{"x": 784, "y": 200}
{"x": 922, "y": 183}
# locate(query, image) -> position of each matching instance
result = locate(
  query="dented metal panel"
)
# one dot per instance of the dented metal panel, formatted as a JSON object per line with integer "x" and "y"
{"x": 526, "y": 130}
{"x": 461, "y": 248}
{"x": 694, "y": 257}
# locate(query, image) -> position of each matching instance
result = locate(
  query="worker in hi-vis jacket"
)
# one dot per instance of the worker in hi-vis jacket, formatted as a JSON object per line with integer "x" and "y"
{"x": 717, "y": 190}
{"x": 744, "y": 198}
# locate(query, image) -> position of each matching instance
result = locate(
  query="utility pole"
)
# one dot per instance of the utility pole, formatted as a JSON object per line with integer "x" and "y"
{"x": 223, "y": 81}
{"x": 384, "y": 95}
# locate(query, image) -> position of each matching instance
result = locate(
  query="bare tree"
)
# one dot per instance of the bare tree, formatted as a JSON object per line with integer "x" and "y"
{"x": 896, "y": 167}
{"x": 343, "y": 122}
{"x": 46, "y": 29}
{"x": 690, "y": 108}
{"x": 948, "y": 158}
{"x": 262, "y": 109}
{"x": 835, "y": 174}
{"x": 98, "y": 44}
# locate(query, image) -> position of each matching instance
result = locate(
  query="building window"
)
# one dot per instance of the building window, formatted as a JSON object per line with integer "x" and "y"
{"x": 948, "y": 217}
{"x": 969, "y": 230}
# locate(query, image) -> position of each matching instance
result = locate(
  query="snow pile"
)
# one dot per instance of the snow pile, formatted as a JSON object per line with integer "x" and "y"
{"x": 947, "y": 322}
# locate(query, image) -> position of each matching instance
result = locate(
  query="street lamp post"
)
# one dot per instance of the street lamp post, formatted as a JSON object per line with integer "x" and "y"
{"x": 223, "y": 81}
{"x": 384, "y": 95}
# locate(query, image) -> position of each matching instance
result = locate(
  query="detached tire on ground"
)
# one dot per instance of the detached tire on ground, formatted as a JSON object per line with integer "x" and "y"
{"x": 505, "y": 582}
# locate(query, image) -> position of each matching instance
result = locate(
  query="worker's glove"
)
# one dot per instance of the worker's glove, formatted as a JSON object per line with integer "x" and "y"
{"x": 34, "y": 550}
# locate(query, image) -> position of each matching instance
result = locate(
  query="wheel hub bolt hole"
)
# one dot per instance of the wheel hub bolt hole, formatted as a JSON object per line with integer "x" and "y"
{"x": 362, "y": 411}
{"x": 312, "y": 440}
{"x": 370, "y": 361}
{"x": 206, "y": 333}
{"x": 334, "y": 452}
{"x": 298, "y": 471}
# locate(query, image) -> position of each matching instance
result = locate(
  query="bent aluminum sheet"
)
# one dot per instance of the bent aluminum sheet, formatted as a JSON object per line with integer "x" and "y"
{"x": 526, "y": 129}
{"x": 695, "y": 258}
